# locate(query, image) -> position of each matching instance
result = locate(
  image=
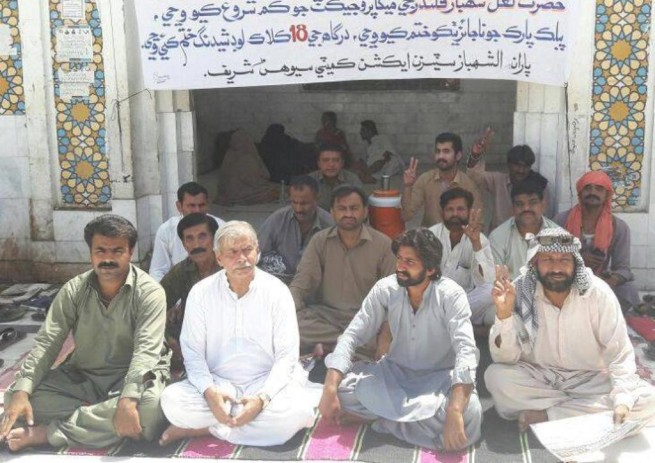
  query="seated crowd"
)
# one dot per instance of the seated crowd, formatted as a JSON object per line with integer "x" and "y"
{"x": 392, "y": 320}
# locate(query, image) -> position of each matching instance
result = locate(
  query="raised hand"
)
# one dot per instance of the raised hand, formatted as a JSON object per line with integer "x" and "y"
{"x": 409, "y": 177}
{"x": 503, "y": 293}
{"x": 474, "y": 228}
{"x": 480, "y": 145}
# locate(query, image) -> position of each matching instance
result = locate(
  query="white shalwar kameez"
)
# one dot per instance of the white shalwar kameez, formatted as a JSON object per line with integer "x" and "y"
{"x": 582, "y": 360}
{"x": 245, "y": 346}
{"x": 473, "y": 270}
{"x": 407, "y": 392}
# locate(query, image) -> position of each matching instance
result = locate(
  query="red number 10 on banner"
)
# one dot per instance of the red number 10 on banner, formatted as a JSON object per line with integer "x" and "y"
{"x": 299, "y": 33}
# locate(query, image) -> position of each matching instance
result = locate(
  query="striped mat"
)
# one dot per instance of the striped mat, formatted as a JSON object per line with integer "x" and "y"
{"x": 323, "y": 441}
{"x": 500, "y": 443}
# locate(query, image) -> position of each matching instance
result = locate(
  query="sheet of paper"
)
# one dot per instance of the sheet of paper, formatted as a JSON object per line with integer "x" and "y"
{"x": 572, "y": 437}
{"x": 74, "y": 43}
{"x": 78, "y": 76}
{"x": 69, "y": 90}
{"x": 72, "y": 9}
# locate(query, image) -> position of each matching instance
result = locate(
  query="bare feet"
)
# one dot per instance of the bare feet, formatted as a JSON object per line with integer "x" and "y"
{"x": 528, "y": 417}
{"x": 19, "y": 438}
{"x": 318, "y": 351}
{"x": 173, "y": 433}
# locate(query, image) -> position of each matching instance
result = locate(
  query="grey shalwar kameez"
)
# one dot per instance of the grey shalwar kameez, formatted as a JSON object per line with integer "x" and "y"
{"x": 407, "y": 392}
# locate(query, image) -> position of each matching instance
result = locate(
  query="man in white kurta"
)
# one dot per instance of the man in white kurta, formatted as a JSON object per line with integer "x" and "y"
{"x": 560, "y": 343}
{"x": 423, "y": 390}
{"x": 240, "y": 345}
{"x": 467, "y": 258}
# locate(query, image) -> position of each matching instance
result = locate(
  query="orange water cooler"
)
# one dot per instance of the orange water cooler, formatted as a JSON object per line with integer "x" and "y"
{"x": 384, "y": 212}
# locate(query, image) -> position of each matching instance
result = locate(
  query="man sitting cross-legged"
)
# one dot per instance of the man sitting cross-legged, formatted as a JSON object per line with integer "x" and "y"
{"x": 240, "y": 345}
{"x": 338, "y": 268}
{"x": 196, "y": 231}
{"x": 109, "y": 388}
{"x": 560, "y": 343}
{"x": 423, "y": 390}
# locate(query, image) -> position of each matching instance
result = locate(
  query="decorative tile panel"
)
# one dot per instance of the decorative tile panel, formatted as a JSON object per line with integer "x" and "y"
{"x": 619, "y": 94}
{"x": 12, "y": 101}
{"x": 79, "y": 82}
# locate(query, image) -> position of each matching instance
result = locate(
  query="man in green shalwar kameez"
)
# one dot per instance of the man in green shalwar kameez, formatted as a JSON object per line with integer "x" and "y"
{"x": 109, "y": 387}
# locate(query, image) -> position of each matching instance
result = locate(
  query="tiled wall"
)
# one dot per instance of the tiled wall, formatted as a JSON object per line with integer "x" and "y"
{"x": 81, "y": 132}
{"x": 619, "y": 93}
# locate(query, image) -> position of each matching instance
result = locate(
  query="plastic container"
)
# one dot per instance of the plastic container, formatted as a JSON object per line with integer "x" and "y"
{"x": 384, "y": 212}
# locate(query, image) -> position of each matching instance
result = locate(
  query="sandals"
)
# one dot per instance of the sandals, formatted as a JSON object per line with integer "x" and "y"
{"x": 9, "y": 336}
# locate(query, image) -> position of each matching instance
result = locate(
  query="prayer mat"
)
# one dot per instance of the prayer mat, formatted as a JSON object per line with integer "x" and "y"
{"x": 323, "y": 441}
{"x": 500, "y": 443}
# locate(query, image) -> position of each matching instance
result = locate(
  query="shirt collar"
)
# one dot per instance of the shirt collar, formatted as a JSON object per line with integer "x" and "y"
{"x": 456, "y": 179}
{"x": 316, "y": 224}
{"x": 365, "y": 235}
{"x": 340, "y": 176}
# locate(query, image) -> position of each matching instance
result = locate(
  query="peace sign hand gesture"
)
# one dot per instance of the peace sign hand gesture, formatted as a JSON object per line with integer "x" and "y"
{"x": 503, "y": 293}
{"x": 409, "y": 177}
{"x": 473, "y": 229}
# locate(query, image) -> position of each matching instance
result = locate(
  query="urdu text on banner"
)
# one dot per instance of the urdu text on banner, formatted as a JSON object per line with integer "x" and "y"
{"x": 189, "y": 44}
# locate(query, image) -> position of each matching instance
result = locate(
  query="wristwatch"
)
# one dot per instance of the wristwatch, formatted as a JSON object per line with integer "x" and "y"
{"x": 265, "y": 398}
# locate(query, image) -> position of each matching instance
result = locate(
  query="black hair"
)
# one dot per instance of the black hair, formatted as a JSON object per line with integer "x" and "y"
{"x": 193, "y": 219}
{"x": 521, "y": 154}
{"x": 427, "y": 246}
{"x": 370, "y": 125}
{"x": 331, "y": 147}
{"x": 527, "y": 187}
{"x": 453, "y": 138}
{"x": 346, "y": 189}
{"x": 453, "y": 193}
{"x": 330, "y": 115}
{"x": 191, "y": 189}
{"x": 304, "y": 181}
{"x": 113, "y": 226}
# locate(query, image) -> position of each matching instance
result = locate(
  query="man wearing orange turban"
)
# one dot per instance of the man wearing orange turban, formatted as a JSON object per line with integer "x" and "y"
{"x": 605, "y": 238}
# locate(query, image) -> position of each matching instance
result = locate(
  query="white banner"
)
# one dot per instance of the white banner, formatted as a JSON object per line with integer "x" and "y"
{"x": 187, "y": 44}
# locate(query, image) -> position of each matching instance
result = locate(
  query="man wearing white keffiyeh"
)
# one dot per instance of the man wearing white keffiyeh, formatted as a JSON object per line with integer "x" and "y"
{"x": 560, "y": 343}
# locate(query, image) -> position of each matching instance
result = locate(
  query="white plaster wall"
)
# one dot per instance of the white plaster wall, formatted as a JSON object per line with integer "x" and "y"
{"x": 14, "y": 190}
{"x": 411, "y": 119}
{"x": 144, "y": 138}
